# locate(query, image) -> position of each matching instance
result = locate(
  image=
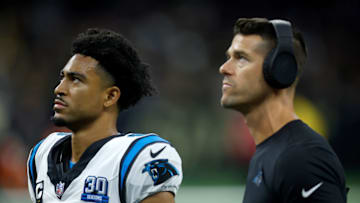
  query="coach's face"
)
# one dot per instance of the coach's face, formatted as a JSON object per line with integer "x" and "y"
{"x": 244, "y": 86}
{"x": 79, "y": 94}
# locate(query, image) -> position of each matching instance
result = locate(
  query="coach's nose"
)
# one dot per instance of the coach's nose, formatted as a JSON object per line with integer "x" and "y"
{"x": 226, "y": 68}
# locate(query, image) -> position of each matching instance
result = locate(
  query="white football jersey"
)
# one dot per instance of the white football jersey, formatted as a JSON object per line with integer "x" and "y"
{"x": 124, "y": 168}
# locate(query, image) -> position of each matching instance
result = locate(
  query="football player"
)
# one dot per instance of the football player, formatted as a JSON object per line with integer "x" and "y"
{"x": 96, "y": 162}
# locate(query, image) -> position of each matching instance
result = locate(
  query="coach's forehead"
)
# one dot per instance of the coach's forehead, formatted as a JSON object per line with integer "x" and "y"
{"x": 81, "y": 63}
{"x": 249, "y": 43}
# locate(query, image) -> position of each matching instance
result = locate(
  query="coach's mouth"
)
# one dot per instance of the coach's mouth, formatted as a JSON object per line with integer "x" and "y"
{"x": 226, "y": 85}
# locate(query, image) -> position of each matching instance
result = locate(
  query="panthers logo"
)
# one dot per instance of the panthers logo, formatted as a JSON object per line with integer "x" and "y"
{"x": 160, "y": 170}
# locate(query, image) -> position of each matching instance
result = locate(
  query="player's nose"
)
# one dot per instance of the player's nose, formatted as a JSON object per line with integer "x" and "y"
{"x": 60, "y": 89}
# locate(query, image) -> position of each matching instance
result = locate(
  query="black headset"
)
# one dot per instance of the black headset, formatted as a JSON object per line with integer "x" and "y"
{"x": 280, "y": 66}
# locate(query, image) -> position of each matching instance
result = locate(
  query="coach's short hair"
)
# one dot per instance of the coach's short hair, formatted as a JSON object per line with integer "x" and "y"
{"x": 117, "y": 57}
{"x": 262, "y": 27}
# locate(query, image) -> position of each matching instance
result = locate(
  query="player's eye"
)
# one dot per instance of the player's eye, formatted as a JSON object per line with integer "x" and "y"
{"x": 61, "y": 77}
{"x": 74, "y": 78}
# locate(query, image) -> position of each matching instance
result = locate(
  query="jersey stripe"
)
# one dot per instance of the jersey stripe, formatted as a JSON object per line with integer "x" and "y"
{"x": 32, "y": 167}
{"x": 130, "y": 156}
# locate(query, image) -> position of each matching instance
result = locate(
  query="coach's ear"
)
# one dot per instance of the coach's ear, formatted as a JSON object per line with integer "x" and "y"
{"x": 112, "y": 95}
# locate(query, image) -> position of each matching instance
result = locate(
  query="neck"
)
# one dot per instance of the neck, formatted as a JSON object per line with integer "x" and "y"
{"x": 82, "y": 138}
{"x": 270, "y": 116}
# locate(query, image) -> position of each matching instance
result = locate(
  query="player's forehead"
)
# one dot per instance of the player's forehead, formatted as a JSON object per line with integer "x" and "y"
{"x": 79, "y": 63}
{"x": 246, "y": 43}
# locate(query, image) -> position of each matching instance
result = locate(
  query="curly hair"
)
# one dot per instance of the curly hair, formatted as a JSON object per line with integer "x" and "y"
{"x": 117, "y": 57}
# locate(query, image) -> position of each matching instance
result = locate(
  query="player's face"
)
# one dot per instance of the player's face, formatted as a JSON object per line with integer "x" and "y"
{"x": 79, "y": 94}
{"x": 244, "y": 86}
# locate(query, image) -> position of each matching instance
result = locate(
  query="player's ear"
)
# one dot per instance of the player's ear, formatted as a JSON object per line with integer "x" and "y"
{"x": 112, "y": 95}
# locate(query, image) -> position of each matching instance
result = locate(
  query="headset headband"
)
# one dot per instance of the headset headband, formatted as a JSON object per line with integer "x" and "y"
{"x": 284, "y": 34}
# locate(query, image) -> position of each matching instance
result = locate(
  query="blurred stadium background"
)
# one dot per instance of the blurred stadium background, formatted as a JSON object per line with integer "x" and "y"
{"x": 184, "y": 41}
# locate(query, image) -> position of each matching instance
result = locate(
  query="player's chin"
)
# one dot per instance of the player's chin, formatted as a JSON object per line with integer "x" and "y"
{"x": 58, "y": 120}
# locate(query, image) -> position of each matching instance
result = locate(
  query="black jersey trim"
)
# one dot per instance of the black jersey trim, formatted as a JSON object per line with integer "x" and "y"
{"x": 60, "y": 154}
{"x": 129, "y": 158}
{"x": 32, "y": 173}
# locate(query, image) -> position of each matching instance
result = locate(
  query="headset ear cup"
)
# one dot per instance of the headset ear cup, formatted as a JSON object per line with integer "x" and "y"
{"x": 284, "y": 70}
{"x": 267, "y": 68}
{"x": 279, "y": 69}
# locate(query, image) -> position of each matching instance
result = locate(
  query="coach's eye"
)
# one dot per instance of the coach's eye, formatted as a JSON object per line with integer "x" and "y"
{"x": 239, "y": 56}
{"x": 227, "y": 57}
{"x": 242, "y": 61}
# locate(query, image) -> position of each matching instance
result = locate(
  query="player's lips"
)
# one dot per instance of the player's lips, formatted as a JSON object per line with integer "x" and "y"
{"x": 59, "y": 104}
